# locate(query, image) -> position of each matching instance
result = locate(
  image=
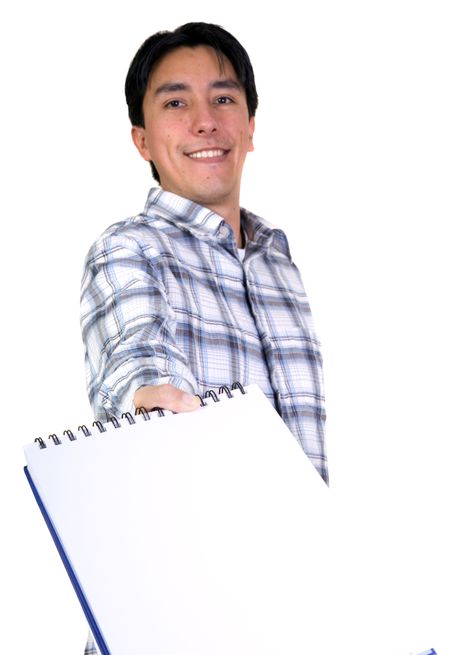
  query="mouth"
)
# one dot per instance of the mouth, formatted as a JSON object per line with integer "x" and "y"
{"x": 212, "y": 153}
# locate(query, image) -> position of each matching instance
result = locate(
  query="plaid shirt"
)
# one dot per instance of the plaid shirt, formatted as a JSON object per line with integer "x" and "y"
{"x": 167, "y": 299}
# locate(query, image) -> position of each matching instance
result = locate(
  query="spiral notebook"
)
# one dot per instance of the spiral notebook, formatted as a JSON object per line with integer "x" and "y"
{"x": 189, "y": 533}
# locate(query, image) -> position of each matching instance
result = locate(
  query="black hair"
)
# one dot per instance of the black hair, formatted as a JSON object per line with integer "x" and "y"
{"x": 190, "y": 35}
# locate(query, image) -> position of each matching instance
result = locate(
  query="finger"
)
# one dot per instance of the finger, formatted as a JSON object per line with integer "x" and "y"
{"x": 165, "y": 396}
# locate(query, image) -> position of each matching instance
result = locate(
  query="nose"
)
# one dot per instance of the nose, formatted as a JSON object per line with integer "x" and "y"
{"x": 204, "y": 121}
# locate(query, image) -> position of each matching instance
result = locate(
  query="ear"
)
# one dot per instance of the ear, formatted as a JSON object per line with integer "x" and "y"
{"x": 140, "y": 141}
{"x": 251, "y": 131}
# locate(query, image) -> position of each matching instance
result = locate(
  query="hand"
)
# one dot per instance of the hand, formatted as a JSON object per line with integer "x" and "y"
{"x": 165, "y": 396}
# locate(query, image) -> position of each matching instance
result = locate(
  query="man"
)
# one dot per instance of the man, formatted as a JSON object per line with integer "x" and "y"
{"x": 169, "y": 310}
{"x": 196, "y": 292}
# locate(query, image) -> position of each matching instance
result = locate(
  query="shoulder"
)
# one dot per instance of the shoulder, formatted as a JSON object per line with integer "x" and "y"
{"x": 165, "y": 219}
{"x": 141, "y": 234}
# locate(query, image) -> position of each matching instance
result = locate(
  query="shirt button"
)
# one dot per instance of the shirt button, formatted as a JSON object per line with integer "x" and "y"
{"x": 223, "y": 231}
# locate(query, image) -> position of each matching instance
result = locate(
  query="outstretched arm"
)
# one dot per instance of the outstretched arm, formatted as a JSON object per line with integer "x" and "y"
{"x": 129, "y": 331}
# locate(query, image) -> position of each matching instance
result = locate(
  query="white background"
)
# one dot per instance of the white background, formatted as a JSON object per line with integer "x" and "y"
{"x": 351, "y": 159}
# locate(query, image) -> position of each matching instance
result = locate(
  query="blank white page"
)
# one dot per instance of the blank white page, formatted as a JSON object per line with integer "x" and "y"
{"x": 191, "y": 534}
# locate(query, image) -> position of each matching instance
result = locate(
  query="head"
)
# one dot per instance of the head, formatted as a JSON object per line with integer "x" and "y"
{"x": 190, "y": 35}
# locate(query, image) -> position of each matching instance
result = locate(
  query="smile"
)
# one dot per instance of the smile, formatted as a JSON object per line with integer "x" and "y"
{"x": 207, "y": 154}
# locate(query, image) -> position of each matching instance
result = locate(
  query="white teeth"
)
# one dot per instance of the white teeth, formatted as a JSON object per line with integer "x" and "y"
{"x": 204, "y": 154}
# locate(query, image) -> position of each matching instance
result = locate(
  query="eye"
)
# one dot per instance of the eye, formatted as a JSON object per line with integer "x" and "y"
{"x": 173, "y": 104}
{"x": 224, "y": 100}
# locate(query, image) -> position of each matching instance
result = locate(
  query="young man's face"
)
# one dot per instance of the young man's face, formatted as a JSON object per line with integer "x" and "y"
{"x": 197, "y": 129}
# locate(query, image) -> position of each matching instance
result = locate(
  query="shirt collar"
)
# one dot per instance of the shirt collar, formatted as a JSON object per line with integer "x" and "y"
{"x": 184, "y": 213}
{"x": 206, "y": 224}
{"x": 261, "y": 233}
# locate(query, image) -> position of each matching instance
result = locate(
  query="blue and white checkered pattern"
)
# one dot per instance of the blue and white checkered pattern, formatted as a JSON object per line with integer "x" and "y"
{"x": 166, "y": 299}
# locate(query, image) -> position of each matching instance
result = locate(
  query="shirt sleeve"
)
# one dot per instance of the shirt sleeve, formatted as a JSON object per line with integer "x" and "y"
{"x": 128, "y": 326}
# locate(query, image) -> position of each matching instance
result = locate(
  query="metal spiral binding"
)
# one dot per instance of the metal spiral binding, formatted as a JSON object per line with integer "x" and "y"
{"x": 129, "y": 418}
{"x": 238, "y": 385}
{"x": 99, "y": 425}
{"x": 202, "y": 401}
{"x": 211, "y": 394}
{"x": 140, "y": 411}
{"x": 225, "y": 389}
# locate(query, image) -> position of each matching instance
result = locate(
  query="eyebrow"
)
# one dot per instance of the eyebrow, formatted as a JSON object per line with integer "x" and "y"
{"x": 173, "y": 87}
